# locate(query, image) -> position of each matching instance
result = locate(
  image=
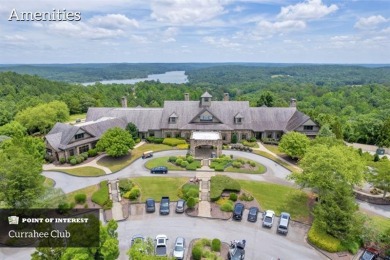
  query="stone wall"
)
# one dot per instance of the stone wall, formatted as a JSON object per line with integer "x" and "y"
{"x": 379, "y": 200}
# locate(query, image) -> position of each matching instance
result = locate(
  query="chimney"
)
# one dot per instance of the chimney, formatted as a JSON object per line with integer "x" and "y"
{"x": 186, "y": 96}
{"x": 124, "y": 101}
{"x": 225, "y": 96}
{"x": 293, "y": 102}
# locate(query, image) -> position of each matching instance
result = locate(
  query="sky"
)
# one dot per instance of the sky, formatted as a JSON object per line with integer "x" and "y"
{"x": 133, "y": 31}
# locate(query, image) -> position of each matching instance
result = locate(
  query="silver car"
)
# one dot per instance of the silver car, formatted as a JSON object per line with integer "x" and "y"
{"x": 180, "y": 206}
{"x": 178, "y": 252}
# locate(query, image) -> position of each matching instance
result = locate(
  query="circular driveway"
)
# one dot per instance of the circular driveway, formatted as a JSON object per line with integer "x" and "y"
{"x": 68, "y": 183}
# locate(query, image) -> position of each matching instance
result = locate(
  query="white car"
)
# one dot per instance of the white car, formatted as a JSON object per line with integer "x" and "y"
{"x": 268, "y": 218}
{"x": 178, "y": 252}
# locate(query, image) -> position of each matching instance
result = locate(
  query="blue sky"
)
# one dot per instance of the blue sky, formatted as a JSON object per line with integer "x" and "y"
{"x": 280, "y": 31}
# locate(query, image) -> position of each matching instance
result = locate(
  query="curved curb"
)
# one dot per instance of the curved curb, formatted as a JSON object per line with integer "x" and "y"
{"x": 224, "y": 219}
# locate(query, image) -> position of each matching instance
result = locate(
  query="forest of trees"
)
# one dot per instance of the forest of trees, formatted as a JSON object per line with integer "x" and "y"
{"x": 352, "y": 100}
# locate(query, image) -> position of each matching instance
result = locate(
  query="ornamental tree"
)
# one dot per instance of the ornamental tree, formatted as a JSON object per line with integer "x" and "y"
{"x": 294, "y": 144}
{"x": 115, "y": 142}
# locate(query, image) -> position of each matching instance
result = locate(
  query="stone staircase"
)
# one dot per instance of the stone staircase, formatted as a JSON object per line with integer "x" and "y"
{"x": 204, "y": 174}
{"x": 115, "y": 196}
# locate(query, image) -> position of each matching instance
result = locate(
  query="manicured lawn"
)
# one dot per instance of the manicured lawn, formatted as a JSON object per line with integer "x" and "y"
{"x": 162, "y": 161}
{"x": 101, "y": 196}
{"x": 84, "y": 171}
{"x": 48, "y": 182}
{"x": 87, "y": 190}
{"x": 279, "y": 198}
{"x": 258, "y": 169}
{"x": 382, "y": 223}
{"x": 219, "y": 183}
{"x": 275, "y": 159}
{"x": 116, "y": 164}
{"x": 156, "y": 187}
{"x": 273, "y": 148}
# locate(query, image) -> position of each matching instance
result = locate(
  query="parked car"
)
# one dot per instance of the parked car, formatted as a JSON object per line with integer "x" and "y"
{"x": 369, "y": 254}
{"x": 238, "y": 211}
{"x": 161, "y": 245}
{"x": 237, "y": 250}
{"x": 252, "y": 215}
{"x": 137, "y": 238}
{"x": 180, "y": 206}
{"x": 284, "y": 221}
{"x": 164, "y": 206}
{"x": 268, "y": 218}
{"x": 150, "y": 205}
{"x": 159, "y": 169}
{"x": 147, "y": 154}
{"x": 178, "y": 251}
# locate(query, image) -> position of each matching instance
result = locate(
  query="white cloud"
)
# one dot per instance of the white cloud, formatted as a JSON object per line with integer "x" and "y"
{"x": 113, "y": 21}
{"x": 370, "y": 22}
{"x": 266, "y": 27}
{"x": 183, "y": 12}
{"x": 220, "y": 42}
{"x": 83, "y": 30}
{"x": 14, "y": 38}
{"x": 139, "y": 39}
{"x": 308, "y": 10}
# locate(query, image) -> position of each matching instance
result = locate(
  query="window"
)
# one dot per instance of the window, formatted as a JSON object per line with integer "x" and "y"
{"x": 83, "y": 149}
{"x": 71, "y": 152}
{"x": 79, "y": 136}
{"x": 223, "y": 136}
{"x": 206, "y": 118}
{"x": 243, "y": 136}
{"x": 206, "y": 99}
{"x": 49, "y": 152}
{"x": 168, "y": 134}
{"x": 172, "y": 120}
{"x": 308, "y": 127}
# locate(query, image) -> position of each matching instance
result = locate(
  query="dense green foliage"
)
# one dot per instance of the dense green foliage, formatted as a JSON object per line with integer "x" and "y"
{"x": 101, "y": 196}
{"x": 294, "y": 144}
{"x": 219, "y": 183}
{"x": 380, "y": 176}
{"x": 115, "y": 142}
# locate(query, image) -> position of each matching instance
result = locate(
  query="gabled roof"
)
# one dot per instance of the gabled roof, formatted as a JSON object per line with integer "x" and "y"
{"x": 173, "y": 115}
{"x": 296, "y": 120}
{"x": 239, "y": 115}
{"x": 270, "y": 118}
{"x": 206, "y": 95}
{"x": 201, "y": 112}
{"x": 61, "y": 135}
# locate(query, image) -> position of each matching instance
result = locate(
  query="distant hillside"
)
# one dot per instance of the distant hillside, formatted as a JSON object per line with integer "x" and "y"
{"x": 214, "y": 74}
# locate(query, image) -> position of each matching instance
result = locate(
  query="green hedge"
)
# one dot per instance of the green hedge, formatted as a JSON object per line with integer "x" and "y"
{"x": 101, "y": 196}
{"x": 173, "y": 141}
{"x": 220, "y": 183}
{"x": 193, "y": 166}
{"x": 216, "y": 245}
{"x": 322, "y": 240}
{"x": 155, "y": 140}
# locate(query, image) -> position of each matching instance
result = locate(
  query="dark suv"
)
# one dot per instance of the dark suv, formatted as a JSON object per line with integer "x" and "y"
{"x": 150, "y": 205}
{"x": 238, "y": 211}
{"x": 159, "y": 169}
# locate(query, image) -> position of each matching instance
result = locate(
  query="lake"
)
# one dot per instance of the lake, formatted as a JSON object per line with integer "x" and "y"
{"x": 176, "y": 77}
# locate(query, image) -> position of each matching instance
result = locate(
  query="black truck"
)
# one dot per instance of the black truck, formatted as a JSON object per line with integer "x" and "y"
{"x": 164, "y": 206}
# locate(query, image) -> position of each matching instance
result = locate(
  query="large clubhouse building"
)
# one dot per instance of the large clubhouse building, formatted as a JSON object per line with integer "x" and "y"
{"x": 181, "y": 119}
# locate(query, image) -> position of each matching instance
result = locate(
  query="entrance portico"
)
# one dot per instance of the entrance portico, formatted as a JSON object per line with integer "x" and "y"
{"x": 206, "y": 139}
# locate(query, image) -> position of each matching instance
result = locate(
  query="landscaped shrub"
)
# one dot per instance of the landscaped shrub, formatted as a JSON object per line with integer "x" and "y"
{"x": 84, "y": 155}
{"x": 220, "y": 183}
{"x": 253, "y": 139}
{"x": 79, "y": 159}
{"x": 250, "y": 144}
{"x": 193, "y": 192}
{"x": 322, "y": 240}
{"x": 237, "y": 164}
{"x": 216, "y": 245}
{"x": 178, "y": 161}
{"x": 155, "y": 140}
{"x": 191, "y": 202}
{"x": 134, "y": 193}
{"x": 63, "y": 208}
{"x": 80, "y": 198}
{"x": 107, "y": 205}
{"x": 196, "y": 253}
{"x": 70, "y": 158}
{"x": 101, "y": 196}
{"x": 219, "y": 168}
{"x": 62, "y": 160}
{"x": 173, "y": 141}
{"x": 252, "y": 164}
{"x": 125, "y": 185}
{"x": 234, "y": 138}
{"x": 183, "y": 146}
{"x": 92, "y": 152}
{"x": 233, "y": 196}
{"x": 193, "y": 166}
{"x": 246, "y": 197}
{"x": 184, "y": 164}
{"x": 172, "y": 159}
{"x": 73, "y": 161}
{"x": 227, "y": 206}
{"x": 190, "y": 159}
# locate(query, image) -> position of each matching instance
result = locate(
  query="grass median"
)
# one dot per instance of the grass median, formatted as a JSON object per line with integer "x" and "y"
{"x": 87, "y": 171}
{"x": 280, "y": 199}
{"x": 156, "y": 187}
{"x": 162, "y": 161}
{"x": 116, "y": 164}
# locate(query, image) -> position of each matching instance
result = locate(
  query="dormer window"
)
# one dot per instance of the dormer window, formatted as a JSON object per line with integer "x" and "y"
{"x": 238, "y": 119}
{"x": 172, "y": 118}
{"x": 79, "y": 136}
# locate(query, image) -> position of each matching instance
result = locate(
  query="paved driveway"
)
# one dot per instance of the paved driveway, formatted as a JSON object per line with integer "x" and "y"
{"x": 262, "y": 243}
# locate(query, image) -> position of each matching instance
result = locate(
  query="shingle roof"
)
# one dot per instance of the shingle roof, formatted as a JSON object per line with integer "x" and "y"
{"x": 270, "y": 118}
{"x": 296, "y": 120}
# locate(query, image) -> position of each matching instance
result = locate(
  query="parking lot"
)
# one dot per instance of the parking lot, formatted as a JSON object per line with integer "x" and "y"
{"x": 262, "y": 243}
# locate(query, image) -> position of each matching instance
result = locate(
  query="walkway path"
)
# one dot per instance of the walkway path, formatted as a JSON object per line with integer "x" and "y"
{"x": 264, "y": 149}
{"x": 204, "y": 207}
